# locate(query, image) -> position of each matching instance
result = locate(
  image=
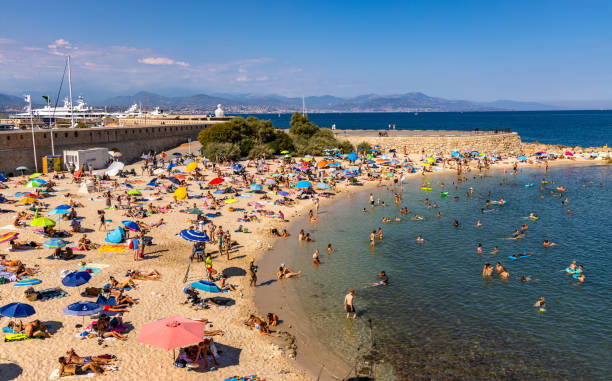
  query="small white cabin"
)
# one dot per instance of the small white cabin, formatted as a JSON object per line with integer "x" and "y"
{"x": 97, "y": 157}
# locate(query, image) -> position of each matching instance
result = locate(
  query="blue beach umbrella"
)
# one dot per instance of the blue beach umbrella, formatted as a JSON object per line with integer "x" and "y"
{"x": 323, "y": 186}
{"x": 237, "y": 167}
{"x": 126, "y": 185}
{"x": 17, "y": 310}
{"x": 270, "y": 182}
{"x": 63, "y": 206}
{"x": 82, "y": 308}
{"x": 133, "y": 226}
{"x": 522, "y": 158}
{"x": 54, "y": 243}
{"x": 256, "y": 187}
{"x": 303, "y": 184}
{"x": 174, "y": 180}
{"x": 283, "y": 193}
{"x": 170, "y": 166}
{"x": 194, "y": 236}
{"x": 59, "y": 211}
{"x": 206, "y": 286}
{"x": 76, "y": 279}
{"x": 177, "y": 154}
{"x": 352, "y": 156}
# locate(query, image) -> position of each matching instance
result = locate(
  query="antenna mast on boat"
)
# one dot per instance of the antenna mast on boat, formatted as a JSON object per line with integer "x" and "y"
{"x": 70, "y": 94}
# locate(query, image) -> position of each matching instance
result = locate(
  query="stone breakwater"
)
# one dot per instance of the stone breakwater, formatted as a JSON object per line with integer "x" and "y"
{"x": 415, "y": 141}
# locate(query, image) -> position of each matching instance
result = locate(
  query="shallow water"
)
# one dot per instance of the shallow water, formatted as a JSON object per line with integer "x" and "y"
{"x": 439, "y": 318}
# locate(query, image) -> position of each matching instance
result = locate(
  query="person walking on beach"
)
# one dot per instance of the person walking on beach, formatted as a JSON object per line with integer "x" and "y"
{"x": 102, "y": 220}
{"x": 348, "y": 304}
{"x": 253, "y": 273}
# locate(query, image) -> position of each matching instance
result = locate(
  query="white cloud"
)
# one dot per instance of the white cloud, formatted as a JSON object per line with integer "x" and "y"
{"x": 161, "y": 61}
{"x": 242, "y": 78}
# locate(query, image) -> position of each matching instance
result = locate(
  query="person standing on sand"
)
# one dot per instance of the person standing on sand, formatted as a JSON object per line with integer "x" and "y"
{"x": 253, "y": 273}
{"x": 102, "y": 220}
{"x": 348, "y": 304}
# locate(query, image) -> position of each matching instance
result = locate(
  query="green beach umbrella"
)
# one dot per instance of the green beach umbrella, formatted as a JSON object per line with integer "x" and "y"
{"x": 43, "y": 221}
{"x": 194, "y": 211}
{"x": 35, "y": 175}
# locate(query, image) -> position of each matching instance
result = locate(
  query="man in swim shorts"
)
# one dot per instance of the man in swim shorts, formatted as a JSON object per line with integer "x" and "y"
{"x": 348, "y": 304}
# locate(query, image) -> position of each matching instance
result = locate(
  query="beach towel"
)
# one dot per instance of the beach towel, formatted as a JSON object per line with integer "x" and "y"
{"x": 52, "y": 293}
{"x": 98, "y": 265}
{"x": 114, "y": 248}
{"x": 55, "y": 375}
{"x": 10, "y": 330}
{"x": 27, "y": 282}
{"x": 15, "y": 337}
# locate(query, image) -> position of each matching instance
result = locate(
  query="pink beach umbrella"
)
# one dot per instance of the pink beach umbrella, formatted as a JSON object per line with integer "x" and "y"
{"x": 568, "y": 153}
{"x": 172, "y": 332}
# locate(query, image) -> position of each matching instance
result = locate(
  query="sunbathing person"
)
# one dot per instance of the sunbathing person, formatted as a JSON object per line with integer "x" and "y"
{"x": 36, "y": 329}
{"x": 226, "y": 286}
{"x": 68, "y": 369}
{"x": 17, "y": 327}
{"x": 73, "y": 358}
{"x": 140, "y": 275}
{"x": 116, "y": 308}
{"x": 85, "y": 243}
{"x": 7, "y": 262}
{"x": 204, "y": 349}
{"x": 20, "y": 270}
{"x": 24, "y": 245}
{"x": 103, "y": 331}
{"x": 120, "y": 286}
{"x": 125, "y": 299}
{"x": 285, "y": 273}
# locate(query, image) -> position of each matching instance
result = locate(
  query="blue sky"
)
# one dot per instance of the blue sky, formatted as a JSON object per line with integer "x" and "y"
{"x": 477, "y": 50}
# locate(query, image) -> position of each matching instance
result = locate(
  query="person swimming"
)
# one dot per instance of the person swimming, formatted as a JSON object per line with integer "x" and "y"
{"x": 487, "y": 270}
{"x": 420, "y": 239}
{"x": 315, "y": 257}
{"x": 495, "y": 250}
{"x": 384, "y": 279}
{"x": 540, "y": 303}
{"x": 479, "y": 248}
{"x": 546, "y": 243}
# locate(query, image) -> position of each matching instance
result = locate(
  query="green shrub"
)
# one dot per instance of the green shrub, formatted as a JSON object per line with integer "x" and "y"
{"x": 301, "y": 126}
{"x": 365, "y": 146}
{"x": 259, "y": 150}
{"x": 346, "y": 147}
{"x": 218, "y": 152}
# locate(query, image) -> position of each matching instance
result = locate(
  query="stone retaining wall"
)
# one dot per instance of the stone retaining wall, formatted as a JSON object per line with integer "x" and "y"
{"x": 16, "y": 146}
{"x": 484, "y": 142}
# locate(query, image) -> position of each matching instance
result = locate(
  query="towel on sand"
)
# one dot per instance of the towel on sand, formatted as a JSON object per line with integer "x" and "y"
{"x": 55, "y": 375}
{"x": 114, "y": 248}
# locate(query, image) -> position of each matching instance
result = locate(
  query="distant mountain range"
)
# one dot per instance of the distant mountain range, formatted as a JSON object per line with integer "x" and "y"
{"x": 249, "y": 103}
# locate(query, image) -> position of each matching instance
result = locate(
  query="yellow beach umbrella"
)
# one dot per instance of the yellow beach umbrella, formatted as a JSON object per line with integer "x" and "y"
{"x": 284, "y": 152}
{"x": 43, "y": 221}
{"x": 231, "y": 201}
{"x": 192, "y": 166}
{"x": 431, "y": 160}
{"x": 35, "y": 175}
{"x": 27, "y": 200}
{"x": 180, "y": 193}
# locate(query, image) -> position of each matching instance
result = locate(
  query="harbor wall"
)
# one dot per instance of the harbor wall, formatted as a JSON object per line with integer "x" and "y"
{"x": 429, "y": 141}
{"x": 16, "y": 147}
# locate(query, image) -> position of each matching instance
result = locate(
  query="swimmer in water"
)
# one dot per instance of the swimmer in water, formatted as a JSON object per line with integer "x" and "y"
{"x": 420, "y": 239}
{"x": 581, "y": 278}
{"x": 380, "y": 234}
{"x": 572, "y": 267}
{"x": 456, "y": 223}
{"x": 384, "y": 279}
{"x": 504, "y": 274}
{"x": 546, "y": 243}
{"x": 487, "y": 270}
{"x": 372, "y": 238}
{"x": 495, "y": 250}
{"x": 524, "y": 227}
{"x": 478, "y": 224}
{"x": 540, "y": 303}
{"x": 329, "y": 248}
{"x": 498, "y": 267}
{"x": 479, "y": 248}
{"x": 439, "y": 215}
{"x": 525, "y": 278}
{"x": 315, "y": 257}
{"x": 397, "y": 219}
{"x": 364, "y": 210}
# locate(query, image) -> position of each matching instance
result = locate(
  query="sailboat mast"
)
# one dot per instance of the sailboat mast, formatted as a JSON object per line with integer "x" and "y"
{"x": 303, "y": 106}
{"x": 70, "y": 94}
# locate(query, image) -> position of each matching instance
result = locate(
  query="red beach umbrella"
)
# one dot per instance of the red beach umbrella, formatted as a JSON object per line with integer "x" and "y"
{"x": 215, "y": 181}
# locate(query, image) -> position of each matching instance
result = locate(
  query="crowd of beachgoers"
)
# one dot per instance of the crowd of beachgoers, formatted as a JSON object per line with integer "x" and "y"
{"x": 149, "y": 269}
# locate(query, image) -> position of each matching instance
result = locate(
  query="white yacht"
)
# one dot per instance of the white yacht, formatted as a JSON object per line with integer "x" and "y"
{"x": 67, "y": 111}
{"x": 136, "y": 112}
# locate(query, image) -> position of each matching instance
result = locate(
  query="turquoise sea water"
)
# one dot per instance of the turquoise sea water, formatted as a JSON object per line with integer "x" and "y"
{"x": 584, "y": 128}
{"x": 439, "y": 318}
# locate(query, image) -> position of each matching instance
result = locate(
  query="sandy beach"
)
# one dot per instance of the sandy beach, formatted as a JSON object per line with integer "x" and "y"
{"x": 242, "y": 349}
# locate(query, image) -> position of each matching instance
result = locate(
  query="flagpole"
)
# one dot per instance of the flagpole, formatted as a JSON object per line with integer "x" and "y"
{"x": 32, "y": 125}
{"x": 51, "y": 128}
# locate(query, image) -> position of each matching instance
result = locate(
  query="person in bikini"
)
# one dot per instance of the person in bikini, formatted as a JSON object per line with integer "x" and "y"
{"x": 73, "y": 358}
{"x": 140, "y": 275}
{"x": 67, "y": 369}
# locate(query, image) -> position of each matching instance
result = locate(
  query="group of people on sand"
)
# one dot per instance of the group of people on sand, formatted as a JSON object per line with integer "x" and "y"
{"x": 74, "y": 365}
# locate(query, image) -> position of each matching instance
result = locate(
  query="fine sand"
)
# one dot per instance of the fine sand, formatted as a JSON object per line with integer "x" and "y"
{"x": 244, "y": 350}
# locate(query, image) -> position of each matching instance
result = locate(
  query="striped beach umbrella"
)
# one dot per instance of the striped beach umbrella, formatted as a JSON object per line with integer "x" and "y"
{"x": 194, "y": 236}
{"x": 8, "y": 237}
{"x": 54, "y": 243}
{"x": 32, "y": 184}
